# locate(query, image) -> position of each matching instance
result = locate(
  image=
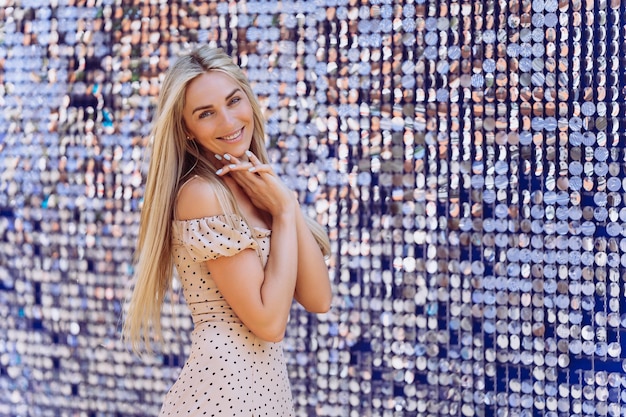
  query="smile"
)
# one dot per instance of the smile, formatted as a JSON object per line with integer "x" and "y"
{"x": 232, "y": 136}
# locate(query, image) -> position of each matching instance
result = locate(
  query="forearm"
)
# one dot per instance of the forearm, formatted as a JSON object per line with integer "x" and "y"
{"x": 313, "y": 289}
{"x": 280, "y": 272}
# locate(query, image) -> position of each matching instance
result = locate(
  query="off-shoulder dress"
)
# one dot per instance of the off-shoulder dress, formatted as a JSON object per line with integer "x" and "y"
{"x": 230, "y": 371}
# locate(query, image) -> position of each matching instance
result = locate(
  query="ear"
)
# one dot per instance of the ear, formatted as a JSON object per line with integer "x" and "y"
{"x": 188, "y": 135}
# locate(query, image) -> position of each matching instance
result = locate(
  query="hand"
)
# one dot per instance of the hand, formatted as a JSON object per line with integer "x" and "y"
{"x": 260, "y": 183}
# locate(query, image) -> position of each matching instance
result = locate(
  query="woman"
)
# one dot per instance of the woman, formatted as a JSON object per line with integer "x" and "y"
{"x": 241, "y": 246}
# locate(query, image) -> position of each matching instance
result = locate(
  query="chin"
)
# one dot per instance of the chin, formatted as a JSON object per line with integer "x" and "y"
{"x": 241, "y": 151}
{"x": 239, "y": 154}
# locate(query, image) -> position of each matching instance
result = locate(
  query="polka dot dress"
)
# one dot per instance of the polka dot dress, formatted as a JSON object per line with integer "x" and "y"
{"x": 229, "y": 372}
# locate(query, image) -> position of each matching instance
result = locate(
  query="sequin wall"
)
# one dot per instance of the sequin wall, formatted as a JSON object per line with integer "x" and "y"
{"x": 467, "y": 158}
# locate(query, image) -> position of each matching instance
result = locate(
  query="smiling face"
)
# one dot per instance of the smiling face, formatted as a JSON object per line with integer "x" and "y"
{"x": 218, "y": 114}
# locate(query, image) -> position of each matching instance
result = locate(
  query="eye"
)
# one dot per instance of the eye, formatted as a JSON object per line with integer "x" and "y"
{"x": 204, "y": 114}
{"x": 235, "y": 100}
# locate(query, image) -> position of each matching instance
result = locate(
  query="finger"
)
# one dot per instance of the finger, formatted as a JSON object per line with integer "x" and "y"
{"x": 262, "y": 169}
{"x": 231, "y": 163}
{"x": 258, "y": 166}
{"x": 253, "y": 158}
{"x": 227, "y": 159}
{"x": 230, "y": 158}
{"x": 240, "y": 167}
{"x": 253, "y": 182}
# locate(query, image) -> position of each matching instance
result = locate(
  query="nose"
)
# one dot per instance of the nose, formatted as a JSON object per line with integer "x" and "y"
{"x": 228, "y": 117}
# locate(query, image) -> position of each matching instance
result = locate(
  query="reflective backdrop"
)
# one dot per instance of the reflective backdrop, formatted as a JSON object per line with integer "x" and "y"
{"x": 467, "y": 158}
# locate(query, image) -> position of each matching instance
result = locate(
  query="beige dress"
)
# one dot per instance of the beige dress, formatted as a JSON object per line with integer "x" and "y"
{"x": 230, "y": 371}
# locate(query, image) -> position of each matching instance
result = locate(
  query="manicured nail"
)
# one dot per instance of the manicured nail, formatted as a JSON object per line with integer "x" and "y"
{"x": 248, "y": 153}
{"x": 232, "y": 166}
{"x": 227, "y": 157}
{"x": 251, "y": 169}
{"x": 219, "y": 158}
{"x": 219, "y": 171}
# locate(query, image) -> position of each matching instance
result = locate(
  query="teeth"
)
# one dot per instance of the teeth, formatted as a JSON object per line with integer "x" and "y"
{"x": 233, "y": 136}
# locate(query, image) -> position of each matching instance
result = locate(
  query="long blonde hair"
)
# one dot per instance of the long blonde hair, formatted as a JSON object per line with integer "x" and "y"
{"x": 175, "y": 158}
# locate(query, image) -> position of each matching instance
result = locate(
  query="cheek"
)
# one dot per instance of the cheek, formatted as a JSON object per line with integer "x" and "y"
{"x": 246, "y": 111}
{"x": 190, "y": 126}
{"x": 203, "y": 129}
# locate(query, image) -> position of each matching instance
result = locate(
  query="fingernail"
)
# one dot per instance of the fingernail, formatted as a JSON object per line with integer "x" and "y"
{"x": 227, "y": 157}
{"x": 219, "y": 171}
{"x": 232, "y": 166}
{"x": 251, "y": 169}
{"x": 248, "y": 153}
{"x": 219, "y": 158}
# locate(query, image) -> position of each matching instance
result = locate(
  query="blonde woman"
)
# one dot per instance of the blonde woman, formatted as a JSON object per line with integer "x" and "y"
{"x": 216, "y": 211}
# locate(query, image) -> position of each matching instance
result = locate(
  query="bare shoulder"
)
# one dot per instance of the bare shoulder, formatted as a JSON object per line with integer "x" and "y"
{"x": 197, "y": 198}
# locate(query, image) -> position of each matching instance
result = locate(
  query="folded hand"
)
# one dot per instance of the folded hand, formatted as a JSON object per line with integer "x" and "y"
{"x": 259, "y": 181}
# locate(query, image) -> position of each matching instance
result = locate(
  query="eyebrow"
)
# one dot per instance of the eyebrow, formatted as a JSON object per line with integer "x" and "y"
{"x": 208, "y": 106}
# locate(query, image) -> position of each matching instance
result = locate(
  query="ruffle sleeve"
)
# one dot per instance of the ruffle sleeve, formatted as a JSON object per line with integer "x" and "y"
{"x": 211, "y": 237}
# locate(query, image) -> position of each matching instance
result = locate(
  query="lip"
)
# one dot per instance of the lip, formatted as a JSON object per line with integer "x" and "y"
{"x": 233, "y": 137}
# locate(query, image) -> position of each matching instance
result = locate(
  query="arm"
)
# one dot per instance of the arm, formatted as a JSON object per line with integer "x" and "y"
{"x": 261, "y": 297}
{"x": 313, "y": 289}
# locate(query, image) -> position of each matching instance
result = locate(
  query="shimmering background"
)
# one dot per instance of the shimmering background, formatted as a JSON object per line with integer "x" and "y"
{"x": 467, "y": 158}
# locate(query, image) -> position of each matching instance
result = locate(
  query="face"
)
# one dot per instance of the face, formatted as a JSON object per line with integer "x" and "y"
{"x": 218, "y": 114}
